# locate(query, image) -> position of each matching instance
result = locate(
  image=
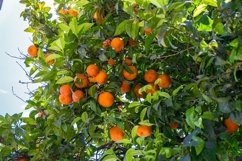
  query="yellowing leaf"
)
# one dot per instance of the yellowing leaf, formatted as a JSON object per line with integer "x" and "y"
{"x": 199, "y": 10}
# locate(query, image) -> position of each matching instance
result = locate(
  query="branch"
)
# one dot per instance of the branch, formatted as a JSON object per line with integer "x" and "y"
{"x": 26, "y": 73}
{"x": 175, "y": 54}
{"x": 17, "y": 96}
{"x": 15, "y": 57}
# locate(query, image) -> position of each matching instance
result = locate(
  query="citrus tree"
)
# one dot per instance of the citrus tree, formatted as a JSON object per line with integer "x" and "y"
{"x": 130, "y": 80}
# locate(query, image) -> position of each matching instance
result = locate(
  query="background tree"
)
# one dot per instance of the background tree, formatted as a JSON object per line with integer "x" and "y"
{"x": 131, "y": 80}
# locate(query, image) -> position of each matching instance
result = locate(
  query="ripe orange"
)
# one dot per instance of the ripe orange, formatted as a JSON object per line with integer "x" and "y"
{"x": 63, "y": 11}
{"x": 102, "y": 77}
{"x": 174, "y": 125}
{"x": 125, "y": 87}
{"x": 22, "y": 159}
{"x": 65, "y": 90}
{"x": 165, "y": 81}
{"x": 148, "y": 31}
{"x": 81, "y": 81}
{"x": 136, "y": 91}
{"x": 111, "y": 61}
{"x": 72, "y": 12}
{"x": 132, "y": 42}
{"x": 150, "y": 76}
{"x": 106, "y": 43}
{"x": 92, "y": 79}
{"x": 106, "y": 99}
{"x": 65, "y": 99}
{"x": 153, "y": 88}
{"x": 98, "y": 16}
{"x": 128, "y": 61}
{"x": 144, "y": 131}
{"x": 50, "y": 62}
{"x": 117, "y": 44}
{"x": 116, "y": 133}
{"x": 230, "y": 125}
{"x": 92, "y": 70}
{"x": 130, "y": 76}
{"x": 77, "y": 95}
{"x": 33, "y": 51}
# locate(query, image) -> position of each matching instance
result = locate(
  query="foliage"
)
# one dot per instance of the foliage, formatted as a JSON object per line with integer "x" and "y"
{"x": 197, "y": 43}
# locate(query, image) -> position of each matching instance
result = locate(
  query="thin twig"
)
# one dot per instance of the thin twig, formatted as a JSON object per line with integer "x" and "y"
{"x": 17, "y": 96}
{"x": 175, "y": 54}
{"x": 26, "y": 73}
{"x": 15, "y": 57}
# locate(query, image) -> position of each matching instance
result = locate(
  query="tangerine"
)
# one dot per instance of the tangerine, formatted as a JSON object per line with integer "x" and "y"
{"x": 77, "y": 95}
{"x": 92, "y": 70}
{"x": 65, "y": 90}
{"x": 148, "y": 31}
{"x": 65, "y": 99}
{"x": 102, "y": 77}
{"x": 106, "y": 99}
{"x": 136, "y": 91}
{"x": 144, "y": 131}
{"x": 81, "y": 81}
{"x": 230, "y": 125}
{"x": 117, "y": 44}
{"x": 130, "y": 76}
{"x": 125, "y": 87}
{"x": 150, "y": 76}
{"x": 164, "y": 81}
{"x": 33, "y": 51}
{"x": 116, "y": 133}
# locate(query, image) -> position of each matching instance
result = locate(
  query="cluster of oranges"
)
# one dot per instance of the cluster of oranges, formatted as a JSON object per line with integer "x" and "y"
{"x": 117, "y": 134}
{"x": 67, "y": 95}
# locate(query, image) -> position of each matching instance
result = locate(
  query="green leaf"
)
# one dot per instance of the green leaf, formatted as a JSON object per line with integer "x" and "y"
{"x": 199, "y": 144}
{"x": 208, "y": 115}
{"x": 66, "y": 79}
{"x": 84, "y": 27}
{"x": 58, "y": 45}
{"x": 92, "y": 90}
{"x": 159, "y": 3}
{"x": 121, "y": 27}
{"x": 74, "y": 27}
{"x": 174, "y": 93}
{"x": 134, "y": 29}
{"x": 205, "y": 23}
{"x": 52, "y": 57}
{"x": 29, "y": 121}
{"x": 143, "y": 113}
{"x": 131, "y": 153}
{"x": 112, "y": 157}
{"x": 210, "y": 2}
{"x": 134, "y": 104}
{"x": 164, "y": 94}
{"x": 84, "y": 116}
{"x": 75, "y": 120}
{"x": 190, "y": 117}
{"x": 134, "y": 131}
{"x": 199, "y": 10}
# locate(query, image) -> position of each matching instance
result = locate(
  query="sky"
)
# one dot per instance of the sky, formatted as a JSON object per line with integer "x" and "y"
{"x": 12, "y": 40}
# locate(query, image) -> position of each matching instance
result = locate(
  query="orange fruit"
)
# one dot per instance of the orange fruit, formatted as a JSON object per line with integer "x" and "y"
{"x": 111, "y": 61}
{"x": 65, "y": 90}
{"x": 125, "y": 87}
{"x": 63, "y": 11}
{"x": 98, "y": 16}
{"x": 77, "y": 95}
{"x": 50, "y": 62}
{"x": 40, "y": 114}
{"x": 92, "y": 79}
{"x": 92, "y": 70}
{"x": 102, "y": 77}
{"x": 130, "y": 76}
{"x": 81, "y": 81}
{"x": 152, "y": 89}
{"x": 136, "y": 91}
{"x": 132, "y": 42}
{"x": 22, "y": 159}
{"x": 174, "y": 125}
{"x": 230, "y": 125}
{"x": 116, "y": 133}
{"x": 148, "y": 31}
{"x": 72, "y": 12}
{"x": 117, "y": 44}
{"x": 165, "y": 81}
{"x": 150, "y": 76}
{"x": 33, "y": 51}
{"x": 106, "y": 99}
{"x": 65, "y": 99}
{"x": 106, "y": 43}
{"x": 128, "y": 61}
{"x": 144, "y": 131}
